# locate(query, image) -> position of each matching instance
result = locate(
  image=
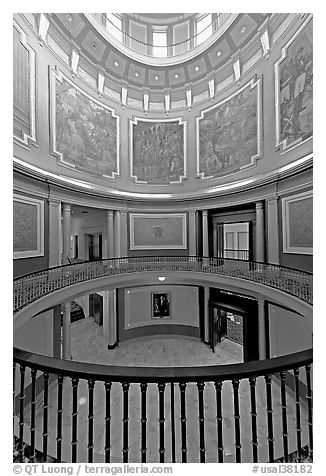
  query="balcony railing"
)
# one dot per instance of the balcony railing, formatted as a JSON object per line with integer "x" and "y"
{"x": 236, "y": 254}
{"x": 33, "y": 286}
{"x": 149, "y": 49}
{"x": 67, "y": 411}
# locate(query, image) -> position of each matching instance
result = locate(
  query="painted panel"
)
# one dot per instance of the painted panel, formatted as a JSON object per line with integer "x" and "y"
{"x": 85, "y": 132}
{"x": 28, "y": 227}
{"x": 294, "y": 90}
{"x": 157, "y": 151}
{"x": 158, "y": 231}
{"x": 297, "y": 219}
{"x": 229, "y": 133}
{"x": 23, "y": 88}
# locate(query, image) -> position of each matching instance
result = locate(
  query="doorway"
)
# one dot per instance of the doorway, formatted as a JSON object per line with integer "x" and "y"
{"x": 94, "y": 244}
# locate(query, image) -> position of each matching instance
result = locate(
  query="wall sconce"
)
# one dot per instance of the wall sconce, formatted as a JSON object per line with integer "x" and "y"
{"x": 161, "y": 278}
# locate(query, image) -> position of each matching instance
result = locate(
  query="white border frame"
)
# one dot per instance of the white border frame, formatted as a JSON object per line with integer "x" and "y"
{"x": 40, "y": 227}
{"x": 278, "y": 143}
{"x": 287, "y": 248}
{"x": 134, "y": 247}
{"x": 253, "y": 83}
{"x": 134, "y": 121}
{"x": 60, "y": 76}
{"x": 32, "y": 93}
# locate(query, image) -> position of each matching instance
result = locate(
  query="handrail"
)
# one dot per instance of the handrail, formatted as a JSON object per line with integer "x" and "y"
{"x": 148, "y": 48}
{"x": 115, "y": 373}
{"x": 29, "y": 288}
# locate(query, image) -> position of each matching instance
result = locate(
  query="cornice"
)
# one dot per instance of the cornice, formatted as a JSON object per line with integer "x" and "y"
{"x": 74, "y": 185}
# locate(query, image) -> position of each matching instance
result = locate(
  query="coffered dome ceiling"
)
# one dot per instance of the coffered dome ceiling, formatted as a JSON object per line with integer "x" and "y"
{"x": 81, "y": 31}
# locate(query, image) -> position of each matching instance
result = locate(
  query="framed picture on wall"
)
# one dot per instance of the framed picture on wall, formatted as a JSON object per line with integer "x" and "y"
{"x": 161, "y": 306}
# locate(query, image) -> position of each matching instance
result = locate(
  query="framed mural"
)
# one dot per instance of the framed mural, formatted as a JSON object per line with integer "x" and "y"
{"x": 84, "y": 131}
{"x": 294, "y": 90}
{"x": 157, "y": 151}
{"x": 28, "y": 227}
{"x": 161, "y": 306}
{"x": 297, "y": 219}
{"x": 24, "y": 128}
{"x": 229, "y": 133}
{"x": 161, "y": 231}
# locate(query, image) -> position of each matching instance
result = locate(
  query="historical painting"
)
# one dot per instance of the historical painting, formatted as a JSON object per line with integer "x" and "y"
{"x": 228, "y": 134}
{"x": 86, "y": 131}
{"x": 294, "y": 85}
{"x": 157, "y": 151}
{"x": 150, "y": 231}
{"x": 28, "y": 227}
{"x": 160, "y": 305}
{"x": 297, "y": 219}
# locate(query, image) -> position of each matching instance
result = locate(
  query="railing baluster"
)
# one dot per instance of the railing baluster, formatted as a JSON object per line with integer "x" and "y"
{"x": 21, "y": 413}
{"x": 45, "y": 416}
{"x": 235, "y": 384}
{"x": 201, "y": 419}
{"x": 161, "y": 390}
{"x": 298, "y": 413}
{"x": 284, "y": 418}
{"x": 74, "y": 415}
{"x": 59, "y": 417}
{"x": 107, "y": 447}
{"x": 269, "y": 411}
{"x": 172, "y": 425}
{"x": 90, "y": 444}
{"x": 183, "y": 419}
{"x": 33, "y": 406}
{"x": 309, "y": 400}
{"x": 143, "y": 420}
{"x": 125, "y": 435}
{"x": 254, "y": 439}
{"x": 219, "y": 420}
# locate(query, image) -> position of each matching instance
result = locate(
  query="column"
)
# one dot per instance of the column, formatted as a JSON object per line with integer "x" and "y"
{"x": 205, "y": 233}
{"x": 261, "y": 329}
{"x": 66, "y": 232}
{"x": 123, "y": 233}
{"x": 110, "y": 318}
{"x": 260, "y": 236}
{"x": 215, "y": 240}
{"x": 109, "y": 234}
{"x": 192, "y": 233}
{"x": 117, "y": 234}
{"x": 206, "y": 314}
{"x": 273, "y": 254}
{"x": 66, "y": 335}
{"x": 54, "y": 233}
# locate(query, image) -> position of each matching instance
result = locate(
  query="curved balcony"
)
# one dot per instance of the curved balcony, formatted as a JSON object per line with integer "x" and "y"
{"x": 156, "y": 54}
{"x": 67, "y": 411}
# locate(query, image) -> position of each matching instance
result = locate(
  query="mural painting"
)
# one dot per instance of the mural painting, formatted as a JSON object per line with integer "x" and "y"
{"x": 295, "y": 77}
{"x": 25, "y": 226}
{"x": 227, "y": 135}
{"x": 86, "y": 132}
{"x": 157, "y": 152}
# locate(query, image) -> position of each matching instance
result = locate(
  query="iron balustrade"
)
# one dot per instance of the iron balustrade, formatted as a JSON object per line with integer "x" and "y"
{"x": 227, "y": 413}
{"x": 30, "y": 287}
{"x": 235, "y": 253}
{"x": 149, "y": 49}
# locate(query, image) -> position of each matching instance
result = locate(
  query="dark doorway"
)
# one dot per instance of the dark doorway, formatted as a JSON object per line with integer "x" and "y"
{"x": 96, "y": 308}
{"x": 94, "y": 247}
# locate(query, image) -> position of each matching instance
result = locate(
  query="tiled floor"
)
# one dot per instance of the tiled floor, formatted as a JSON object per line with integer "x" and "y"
{"x": 89, "y": 345}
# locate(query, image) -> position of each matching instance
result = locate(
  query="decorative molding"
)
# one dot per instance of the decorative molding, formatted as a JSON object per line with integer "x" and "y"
{"x": 254, "y": 83}
{"x": 159, "y": 220}
{"x": 31, "y": 135}
{"x": 31, "y": 227}
{"x": 134, "y": 122}
{"x": 56, "y": 75}
{"x": 288, "y": 246}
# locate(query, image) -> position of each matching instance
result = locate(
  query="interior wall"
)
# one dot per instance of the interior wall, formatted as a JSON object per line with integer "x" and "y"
{"x": 37, "y": 335}
{"x": 289, "y": 332}
{"x": 137, "y": 316}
